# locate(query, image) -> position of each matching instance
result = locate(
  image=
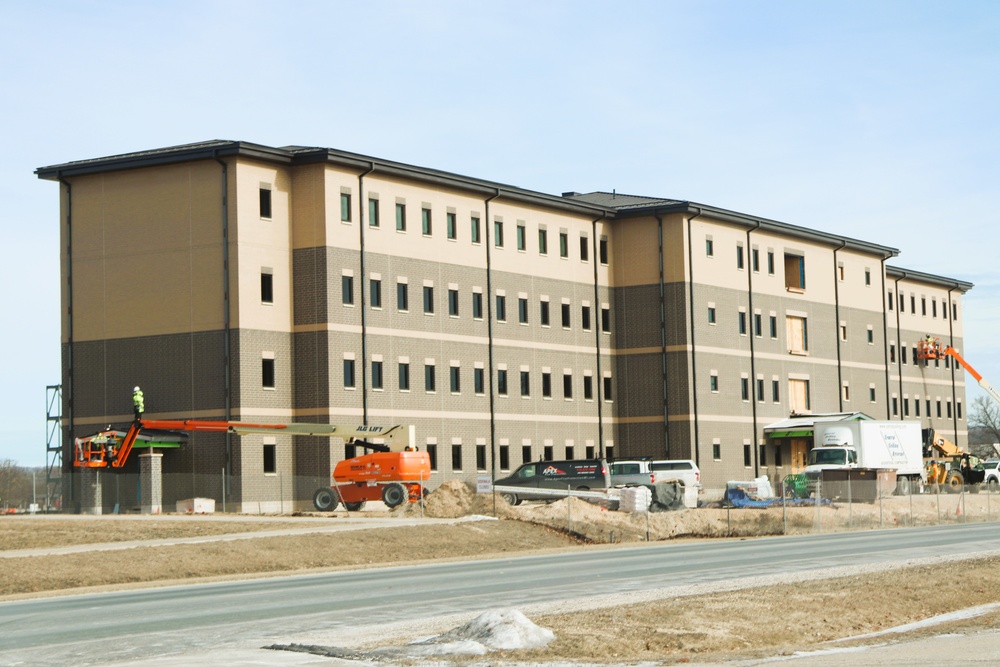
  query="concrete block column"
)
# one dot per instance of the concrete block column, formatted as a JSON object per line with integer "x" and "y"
{"x": 91, "y": 491}
{"x": 151, "y": 483}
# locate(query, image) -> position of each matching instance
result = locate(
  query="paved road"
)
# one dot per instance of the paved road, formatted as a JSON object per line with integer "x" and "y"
{"x": 140, "y": 625}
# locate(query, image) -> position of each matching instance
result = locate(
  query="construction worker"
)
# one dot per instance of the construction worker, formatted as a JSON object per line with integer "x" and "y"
{"x": 138, "y": 403}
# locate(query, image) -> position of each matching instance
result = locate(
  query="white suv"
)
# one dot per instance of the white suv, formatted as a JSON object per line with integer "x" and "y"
{"x": 992, "y": 478}
{"x": 684, "y": 470}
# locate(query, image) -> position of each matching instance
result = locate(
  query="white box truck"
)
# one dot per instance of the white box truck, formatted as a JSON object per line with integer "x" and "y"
{"x": 886, "y": 445}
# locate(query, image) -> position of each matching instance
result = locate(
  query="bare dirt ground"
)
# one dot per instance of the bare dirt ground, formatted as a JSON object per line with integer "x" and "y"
{"x": 714, "y": 626}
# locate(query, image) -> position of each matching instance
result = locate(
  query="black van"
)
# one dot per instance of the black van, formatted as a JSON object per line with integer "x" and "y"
{"x": 582, "y": 475}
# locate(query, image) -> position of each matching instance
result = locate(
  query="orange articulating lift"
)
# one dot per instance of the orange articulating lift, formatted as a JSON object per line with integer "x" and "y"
{"x": 393, "y": 472}
{"x": 931, "y": 348}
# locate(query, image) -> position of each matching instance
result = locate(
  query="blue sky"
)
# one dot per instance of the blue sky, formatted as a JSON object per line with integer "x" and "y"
{"x": 874, "y": 120}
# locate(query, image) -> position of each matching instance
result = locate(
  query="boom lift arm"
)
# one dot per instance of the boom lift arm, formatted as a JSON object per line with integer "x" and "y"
{"x": 111, "y": 448}
{"x": 931, "y": 349}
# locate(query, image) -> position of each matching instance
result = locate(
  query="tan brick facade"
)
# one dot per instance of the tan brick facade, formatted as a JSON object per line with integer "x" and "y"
{"x": 205, "y": 272}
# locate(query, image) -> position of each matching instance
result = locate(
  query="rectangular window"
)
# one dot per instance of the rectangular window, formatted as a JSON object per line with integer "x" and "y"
{"x": 584, "y": 249}
{"x": 270, "y": 459}
{"x": 745, "y": 389}
{"x": 843, "y": 332}
{"x": 890, "y": 300}
{"x": 475, "y": 230}
{"x": 746, "y": 456}
{"x": 739, "y": 256}
{"x": 480, "y": 457}
{"x": 525, "y": 453}
{"x": 266, "y": 287}
{"x": 755, "y": 260}
{"x": 916, "y": 406}
{"x": 567, "y": 386}
{"x": 349, "y": 373}
{"x": 868, "y": 277}
{"x": 347, "y": 290}
{"x": 267, "y": 373}
{"x": 871, "y": 395}
{"x": 400, "y": 217}
{"x": 588, "y": 388}
{"x": 451, "y": 226}
{"x": 795, "y": 272}
{"x": 456, "y": 457}
{"x": 453, "y": 302}
{"x": 923, "y": 306}
{"x": 430, "y": 377}
{"x": 522, "y": 241}
{"x": 605, "y": 319}
{"x": 265, "y": 203}
{"x": 775, "y": 391}
{"x": 501, "y": 302}
{"x": 798, "y": 396}
{"x": 404, "y": 376}
{"x": 758, "y": 325}
{"x": 770, "y": 262}
{"x": 871, "y": 336}
{"x": 563, "y": 245}
{"x": 709, "y": 247}
{"x": 773, "y": 326}
{"x": 602, "y": 250}
{"x": 477, "y": 305}
{"x": 455, "y": 379}
{"x": 797, "y": 333}
{"x": 498, "y": 233}
{"x": 376, "y": 292}
{"x": 713, "y": 383}
{"x": 565, "y": 316}
{"x": 543, "y": 242}
{"x": 522, "y": 310}
{"x": 432, "y": 453}
{"x": 345, "y": 207}
{"x": 895, "y": 406}
{"x": 607, "y": 388}
{"x": 373, "y": 220}
{"x": 585, "y": 318}
{"x": 546, "y": 384}
{"x": 543, "y": 314}
{"x": 428, "y": 300}
{"x": 479, "y": 381}
{"x": 717, "y": 451}
{"x": 711, "y": 314}
{"x": 504, "y": 457}
{"x": 425, "y": 221}
{"x": 502, "y": 381}
{"x": 377, "y": 380}
{"x": 402, "y": 297}
{"x": 525, "y": 384}
{"x": 760, "y": 390}
{"x": 743, "y": 323}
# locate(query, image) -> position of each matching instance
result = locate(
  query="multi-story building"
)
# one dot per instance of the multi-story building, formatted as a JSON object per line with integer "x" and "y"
{"x": 242, "y": 282}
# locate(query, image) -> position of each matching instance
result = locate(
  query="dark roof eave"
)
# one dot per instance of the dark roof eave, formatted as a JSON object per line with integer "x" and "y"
{"x": 205, "y": 151}
{"x": 754, "y": 222}
{"x": 895, "y": 272}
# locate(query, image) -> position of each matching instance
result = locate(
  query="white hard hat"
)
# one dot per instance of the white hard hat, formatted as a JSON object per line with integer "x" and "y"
{"x": 136, "y": 388}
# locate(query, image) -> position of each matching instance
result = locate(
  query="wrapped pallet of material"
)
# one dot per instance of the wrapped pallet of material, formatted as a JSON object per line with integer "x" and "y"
{"x": 635, "y": 499}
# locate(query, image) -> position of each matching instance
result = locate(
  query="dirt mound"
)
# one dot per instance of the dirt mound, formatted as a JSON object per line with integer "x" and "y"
{"x": 454, "y": 499}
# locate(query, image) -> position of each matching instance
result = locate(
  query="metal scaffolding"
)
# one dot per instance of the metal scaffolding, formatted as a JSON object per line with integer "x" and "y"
{"x": 53, "y": 447}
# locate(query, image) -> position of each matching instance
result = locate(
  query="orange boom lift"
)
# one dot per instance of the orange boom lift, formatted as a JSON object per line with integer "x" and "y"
{"x": 393, "y": 472}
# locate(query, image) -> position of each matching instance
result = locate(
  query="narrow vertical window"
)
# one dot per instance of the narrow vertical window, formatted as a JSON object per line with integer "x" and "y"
{"x": 563, "y": 245}
{"x": 428, "y": 300}
{"x": 270, "y": 459}
{"x": 602, "y": 249}
{"x": 543, "y": 314}
{"x": 585, "y": 318}
{"x": 588, "y": 388}
{"x": 402, "y": 297}
{"x": 349, "y": 373}
{"x": 404, "y": 376}
{"x": 522, "y": 240}
{"x": 267, "y": 373}
{"x": 498, "y": 233}
{"x": 475, "y": 230}
{"x": 479, "y": 381}
{"x": 605, "y": 319}
{"x": 567, "y": 386}
{"x": 546, "y": 384}
{"x": 565, "y": 316}
{"x": 455, "y": 379}
{"x": 453, "y": 302}
{"x": 522, "y": 310}
{"x": 525, "y": 384}
{"x": 502, "y": 381}
{"x": 430, "y": 381}
{"x": 373, "y": 220}
{"x": 543, "y": 242}
{"x": 347, "y": 290}
{"x": 375, "y": 293}
{"x": 584, "y": 249}
{"x": 607, "y": 388}
{"x": 451, "y": 226}
{"x": 425, "y": 221}
{"x": 265, "y": 202}
{"x": 501, "y": 308}
{"x": 266, "y": 287}
{"x": 377, "y": 381}
{"x": 477, "y": 305}
{"x": 400, "y": 217}
{"x": 345, "y": 207}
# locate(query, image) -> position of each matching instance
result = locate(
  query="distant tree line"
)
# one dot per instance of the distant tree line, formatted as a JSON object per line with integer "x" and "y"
{"x": 15, "y": 486}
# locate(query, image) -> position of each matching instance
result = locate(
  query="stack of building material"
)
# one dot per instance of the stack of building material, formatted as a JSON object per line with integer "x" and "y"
{"x": 635, "y": 499}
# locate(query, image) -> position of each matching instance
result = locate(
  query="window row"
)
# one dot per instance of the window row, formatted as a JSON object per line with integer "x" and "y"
{"x": 938, "y": 413}
{"x": 901, "y": 304}
{"x": 454, "y": 308}
{"x": 455, "y": 375}
{"x": 475, "y": 227}
{"x": 794, "y": 264}
{"x": 902, "y": 358}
